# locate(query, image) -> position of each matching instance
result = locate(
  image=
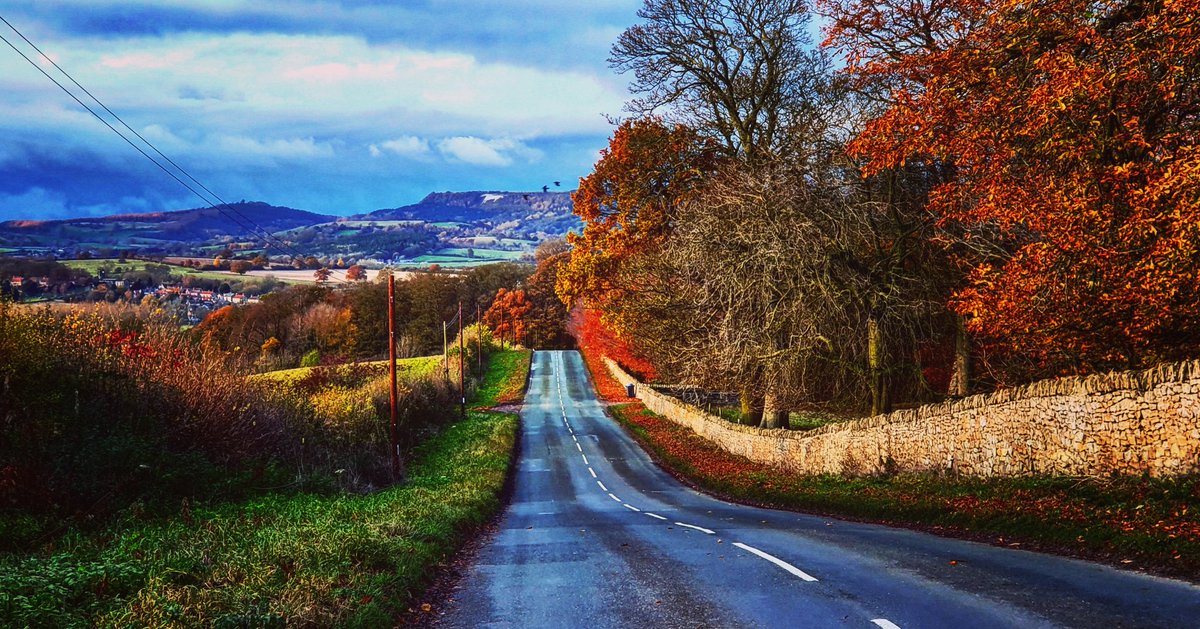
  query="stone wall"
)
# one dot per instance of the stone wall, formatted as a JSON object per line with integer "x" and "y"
{"x": 1125, "y": 423}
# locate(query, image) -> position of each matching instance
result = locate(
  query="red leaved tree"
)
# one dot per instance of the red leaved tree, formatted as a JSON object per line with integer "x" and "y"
{"x": 508, "y": 315}
{"x": 1071, "y": 128}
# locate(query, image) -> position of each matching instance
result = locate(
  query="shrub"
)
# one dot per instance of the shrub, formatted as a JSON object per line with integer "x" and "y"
{"x": 311, "y": 358}
{"x": 99, "y": 414}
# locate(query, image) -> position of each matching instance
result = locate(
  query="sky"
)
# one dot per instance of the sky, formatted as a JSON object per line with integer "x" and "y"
{"x": 338, "y": 107}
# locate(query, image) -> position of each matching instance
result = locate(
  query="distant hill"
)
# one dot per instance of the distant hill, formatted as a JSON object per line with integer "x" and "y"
{"x": 547, "y": 213}
{"x": 195, "y": 225}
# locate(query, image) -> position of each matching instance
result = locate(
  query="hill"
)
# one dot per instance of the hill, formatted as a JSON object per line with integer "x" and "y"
{"x": 542, "y": 214}
{"x": 156, "y": 228}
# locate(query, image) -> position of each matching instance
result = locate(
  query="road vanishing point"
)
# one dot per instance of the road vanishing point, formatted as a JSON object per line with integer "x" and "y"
{"x": 598, "y": 536}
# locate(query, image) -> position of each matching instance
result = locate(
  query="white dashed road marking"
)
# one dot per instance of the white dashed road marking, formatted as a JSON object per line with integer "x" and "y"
{"x": 630, "y": 507}
{"x": 602, "y": 487}
{"x": 593, "y": 472}
{"x": 777, "y": 561}
{"x": 654, "y": 515}
{"x": 698, "y": 528}
{"x": 885, "y": 623}
{"x": 610, "y": 495}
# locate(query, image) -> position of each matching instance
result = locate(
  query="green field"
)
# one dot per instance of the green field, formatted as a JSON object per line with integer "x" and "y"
{"x": 485, "y": 254}
{"x": 411, "y": 367}
{"x": 113, "y": 264}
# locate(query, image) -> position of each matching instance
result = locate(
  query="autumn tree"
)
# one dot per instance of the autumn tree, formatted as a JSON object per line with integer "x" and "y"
{"x": 629, "y": 203}
{"x": 356, "y": 273}
{"x": 508, "y": 316}
{"x": 548, "y": 314}
{"x": 322, "y": 275}
{"x": 240, "y": 266}
{"x": 1071, "y": 127}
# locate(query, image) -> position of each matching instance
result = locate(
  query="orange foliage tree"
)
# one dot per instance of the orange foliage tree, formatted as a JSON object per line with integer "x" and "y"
{"x": 629, "y": 202}
{"x": 508, "y": 315}
{"x": 1071, "y": 127}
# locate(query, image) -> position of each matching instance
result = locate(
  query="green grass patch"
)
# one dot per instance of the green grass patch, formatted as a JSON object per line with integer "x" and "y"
{"x": 284, "y": 559}
{"x": 410, "y": 367}
{"x": 800, "y": 420}
{"x": 504, "y": 381}
{"x": 1132, "y": 522}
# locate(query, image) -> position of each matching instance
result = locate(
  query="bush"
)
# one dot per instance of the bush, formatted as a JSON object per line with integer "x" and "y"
{"x": 312, "y": 358}
{"x": 97, "y": 415}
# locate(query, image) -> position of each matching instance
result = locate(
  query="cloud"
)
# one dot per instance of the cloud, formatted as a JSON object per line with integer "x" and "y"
{"x": 405, "y": 146}
{"x": 480, "y": 152}
{"x": 277, "y": 100}
{"x": 295, "y": 148}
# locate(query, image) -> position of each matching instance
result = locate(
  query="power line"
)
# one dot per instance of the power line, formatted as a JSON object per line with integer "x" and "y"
{"x": 249, "y": 224}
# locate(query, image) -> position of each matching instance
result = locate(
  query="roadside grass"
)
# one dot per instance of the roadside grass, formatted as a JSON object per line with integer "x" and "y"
{"x": 1136, "y": 523}
{"x": 289, "y": 557}
{"x": 301, "y": 559}
{"x": 504, "y": 381}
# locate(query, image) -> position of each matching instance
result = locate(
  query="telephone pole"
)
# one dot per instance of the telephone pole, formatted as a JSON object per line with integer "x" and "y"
{"x": 393, "y": 392}
{"x": 462, "y": 365}
{"x": 479, "y": 339}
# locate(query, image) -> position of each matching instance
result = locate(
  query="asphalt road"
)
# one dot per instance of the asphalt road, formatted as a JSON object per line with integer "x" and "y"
{"x": 598, "y": 536}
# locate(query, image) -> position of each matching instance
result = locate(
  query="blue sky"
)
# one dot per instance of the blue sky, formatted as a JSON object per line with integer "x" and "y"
{"x": 336, "y": 107}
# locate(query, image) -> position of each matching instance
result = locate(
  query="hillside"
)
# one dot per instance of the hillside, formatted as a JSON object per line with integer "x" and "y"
{"x": 148, "y": 230}
{"x": 534, "y": 213}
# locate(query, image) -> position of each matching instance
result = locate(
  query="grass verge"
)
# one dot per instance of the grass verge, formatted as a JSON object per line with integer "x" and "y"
{"x": 1136, "y": 523}
{"x": 283, "y": 559}
{"x": 505, "y": 378}
{"x": 299, "y": 559}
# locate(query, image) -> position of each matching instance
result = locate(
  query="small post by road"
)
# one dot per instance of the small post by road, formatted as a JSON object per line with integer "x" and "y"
{"x": 479, "y": 339}
{"x": 393, "y": 392}
{"x": 462, "y": 365}
{"x": 445, "y": 352}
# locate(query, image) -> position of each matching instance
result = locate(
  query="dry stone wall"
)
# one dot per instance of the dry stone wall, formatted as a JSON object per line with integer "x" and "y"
{"x": 1123, "y": 423}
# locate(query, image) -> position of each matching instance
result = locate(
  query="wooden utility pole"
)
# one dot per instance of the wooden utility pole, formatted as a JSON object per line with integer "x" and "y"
{"x": 479, "y": 339}
{"x": 445, "y": 352}
{"x": 393, "y": 392}
{"x": 462, "y": 365}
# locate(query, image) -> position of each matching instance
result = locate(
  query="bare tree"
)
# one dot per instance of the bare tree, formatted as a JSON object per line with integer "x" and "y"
{"x": 734, "y": 68}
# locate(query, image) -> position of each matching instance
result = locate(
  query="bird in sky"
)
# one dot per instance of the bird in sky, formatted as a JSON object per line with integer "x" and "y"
{"x": 545, "y": 188}
{"x": 557, "y": 184}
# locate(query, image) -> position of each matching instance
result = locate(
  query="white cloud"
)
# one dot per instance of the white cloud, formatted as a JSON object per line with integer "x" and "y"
{"x": 405, "y": 146}
{"x": 294, "y": 148}
{"x": 480, "y": 152}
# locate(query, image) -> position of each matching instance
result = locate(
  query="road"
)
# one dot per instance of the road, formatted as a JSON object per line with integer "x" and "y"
{"x": 598, "y": 536}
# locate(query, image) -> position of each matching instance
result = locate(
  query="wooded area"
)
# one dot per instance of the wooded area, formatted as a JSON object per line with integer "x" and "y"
{"x": 941, "y": 197}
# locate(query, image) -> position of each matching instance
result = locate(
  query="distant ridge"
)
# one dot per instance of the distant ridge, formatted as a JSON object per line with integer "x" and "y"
{"x": 197, "y": 224}
{"x": 534, "y": 212}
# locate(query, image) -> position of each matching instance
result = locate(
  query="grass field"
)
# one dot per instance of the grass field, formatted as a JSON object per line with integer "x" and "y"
{"x": 413, "y": 367}
{"x": 114, "y": 264}
{"x": 287, "y": 558}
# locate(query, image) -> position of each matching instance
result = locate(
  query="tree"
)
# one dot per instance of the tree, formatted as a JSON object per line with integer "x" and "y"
{"x": 260, "y": 261}
{"x": 356, "y": 273}
{"x": 322, "y": 275}
{"x": 732, "y": 68}
{"x": 508, "y": 316}
{"x": 1071, "y": 128}
{"x": 240, "y": 266}
{"x": 629, "y": 202}
{"x": 548, "y": 314}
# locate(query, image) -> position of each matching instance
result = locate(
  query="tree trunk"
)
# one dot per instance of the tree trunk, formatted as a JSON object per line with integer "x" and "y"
{"x": 752, "y": 408}
{"x": 879, "y": 394}
{"x": 960, "y": 381}
{"x": 773, "y": 415}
